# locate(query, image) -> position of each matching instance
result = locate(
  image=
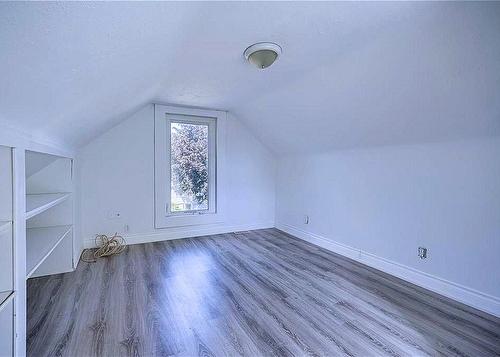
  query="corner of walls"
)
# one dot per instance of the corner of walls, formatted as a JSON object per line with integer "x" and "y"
{"x": 251, "y": 147}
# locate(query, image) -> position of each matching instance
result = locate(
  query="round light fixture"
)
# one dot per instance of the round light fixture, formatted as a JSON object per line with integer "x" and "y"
{"x": 262, "y": 54}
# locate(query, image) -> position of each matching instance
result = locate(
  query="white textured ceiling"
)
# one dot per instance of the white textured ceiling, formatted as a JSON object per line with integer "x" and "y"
{"x": 351, "y": 75}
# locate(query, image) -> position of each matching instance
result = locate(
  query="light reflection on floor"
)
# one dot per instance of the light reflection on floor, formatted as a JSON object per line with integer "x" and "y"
{"x": 192, "y": 287}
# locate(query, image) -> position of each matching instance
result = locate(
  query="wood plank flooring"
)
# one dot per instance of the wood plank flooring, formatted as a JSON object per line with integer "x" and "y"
{"x": 261, "y": 293}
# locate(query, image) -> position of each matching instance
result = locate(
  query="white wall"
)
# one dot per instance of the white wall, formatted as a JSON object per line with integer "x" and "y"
{"x": 116, "y": 174}
{"x": 387, "y": 201}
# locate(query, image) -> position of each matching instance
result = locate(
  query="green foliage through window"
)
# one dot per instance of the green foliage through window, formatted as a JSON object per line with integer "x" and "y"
{"x": 189, "y": 166}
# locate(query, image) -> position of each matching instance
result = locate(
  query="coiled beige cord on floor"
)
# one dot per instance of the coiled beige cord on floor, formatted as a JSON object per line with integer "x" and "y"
{"x": 106, "y": 247}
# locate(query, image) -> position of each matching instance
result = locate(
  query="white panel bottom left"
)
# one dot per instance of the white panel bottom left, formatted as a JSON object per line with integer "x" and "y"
{"x": 7, "y": 329}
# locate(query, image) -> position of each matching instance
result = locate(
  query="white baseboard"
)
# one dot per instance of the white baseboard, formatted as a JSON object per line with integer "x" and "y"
{"x": 184, "y": 232}
{"x": 463, "y": 294}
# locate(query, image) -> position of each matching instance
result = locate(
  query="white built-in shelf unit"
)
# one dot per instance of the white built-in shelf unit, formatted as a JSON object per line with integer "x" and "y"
{"x": 40, "y": 243}
{"x": 38, "y": 203}
{"x": 49, "y": 214}
{"x": 36, "y": 232}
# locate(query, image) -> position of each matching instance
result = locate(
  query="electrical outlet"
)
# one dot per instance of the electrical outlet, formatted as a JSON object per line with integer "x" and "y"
{"x": 114, "y": 214}
{"x": 125, "y": 228}
{"x": 422, "y": 252}
{"x": 306, "y": 219}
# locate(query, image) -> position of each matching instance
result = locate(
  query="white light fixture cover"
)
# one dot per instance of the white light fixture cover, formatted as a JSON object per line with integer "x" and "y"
{"x": 262, "y": 54}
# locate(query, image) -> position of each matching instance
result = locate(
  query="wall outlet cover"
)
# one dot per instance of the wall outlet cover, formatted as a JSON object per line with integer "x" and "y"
{"x": 114, "y": 214}
{"x": 422, "y": 252}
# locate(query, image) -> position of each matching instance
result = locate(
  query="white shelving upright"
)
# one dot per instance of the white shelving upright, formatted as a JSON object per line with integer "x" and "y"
{"x": 7, "y": 293}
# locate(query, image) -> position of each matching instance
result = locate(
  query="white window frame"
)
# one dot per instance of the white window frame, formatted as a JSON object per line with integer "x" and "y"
{"x": 164, "y": 116}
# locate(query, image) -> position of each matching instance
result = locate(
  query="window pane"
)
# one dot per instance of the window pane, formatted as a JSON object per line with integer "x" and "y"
{"x": 189, "y": 167}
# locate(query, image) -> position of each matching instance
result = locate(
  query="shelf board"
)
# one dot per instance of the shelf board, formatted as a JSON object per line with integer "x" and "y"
{"x": 38, "y": 203}
{"x": 4, "y": 225}
{"x": 5, "y": 297}
{"x": 40, "y": 243}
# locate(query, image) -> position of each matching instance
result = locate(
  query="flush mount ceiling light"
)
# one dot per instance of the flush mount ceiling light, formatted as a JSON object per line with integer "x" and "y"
{"x": 262, "y": 54}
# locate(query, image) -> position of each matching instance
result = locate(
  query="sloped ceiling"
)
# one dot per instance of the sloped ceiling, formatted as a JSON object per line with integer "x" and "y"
{"x": 351, "y": 74}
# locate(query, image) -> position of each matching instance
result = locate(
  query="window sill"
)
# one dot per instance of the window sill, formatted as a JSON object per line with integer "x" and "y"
{"x": 189, "y": 219}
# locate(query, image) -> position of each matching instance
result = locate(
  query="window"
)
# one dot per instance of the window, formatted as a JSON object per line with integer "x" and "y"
{"x": 187, "y": 150}
{"x": 192, "y": 164}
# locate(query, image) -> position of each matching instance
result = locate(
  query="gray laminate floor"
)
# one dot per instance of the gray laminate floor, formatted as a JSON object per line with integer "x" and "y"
{"x": 254, "y": 294}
